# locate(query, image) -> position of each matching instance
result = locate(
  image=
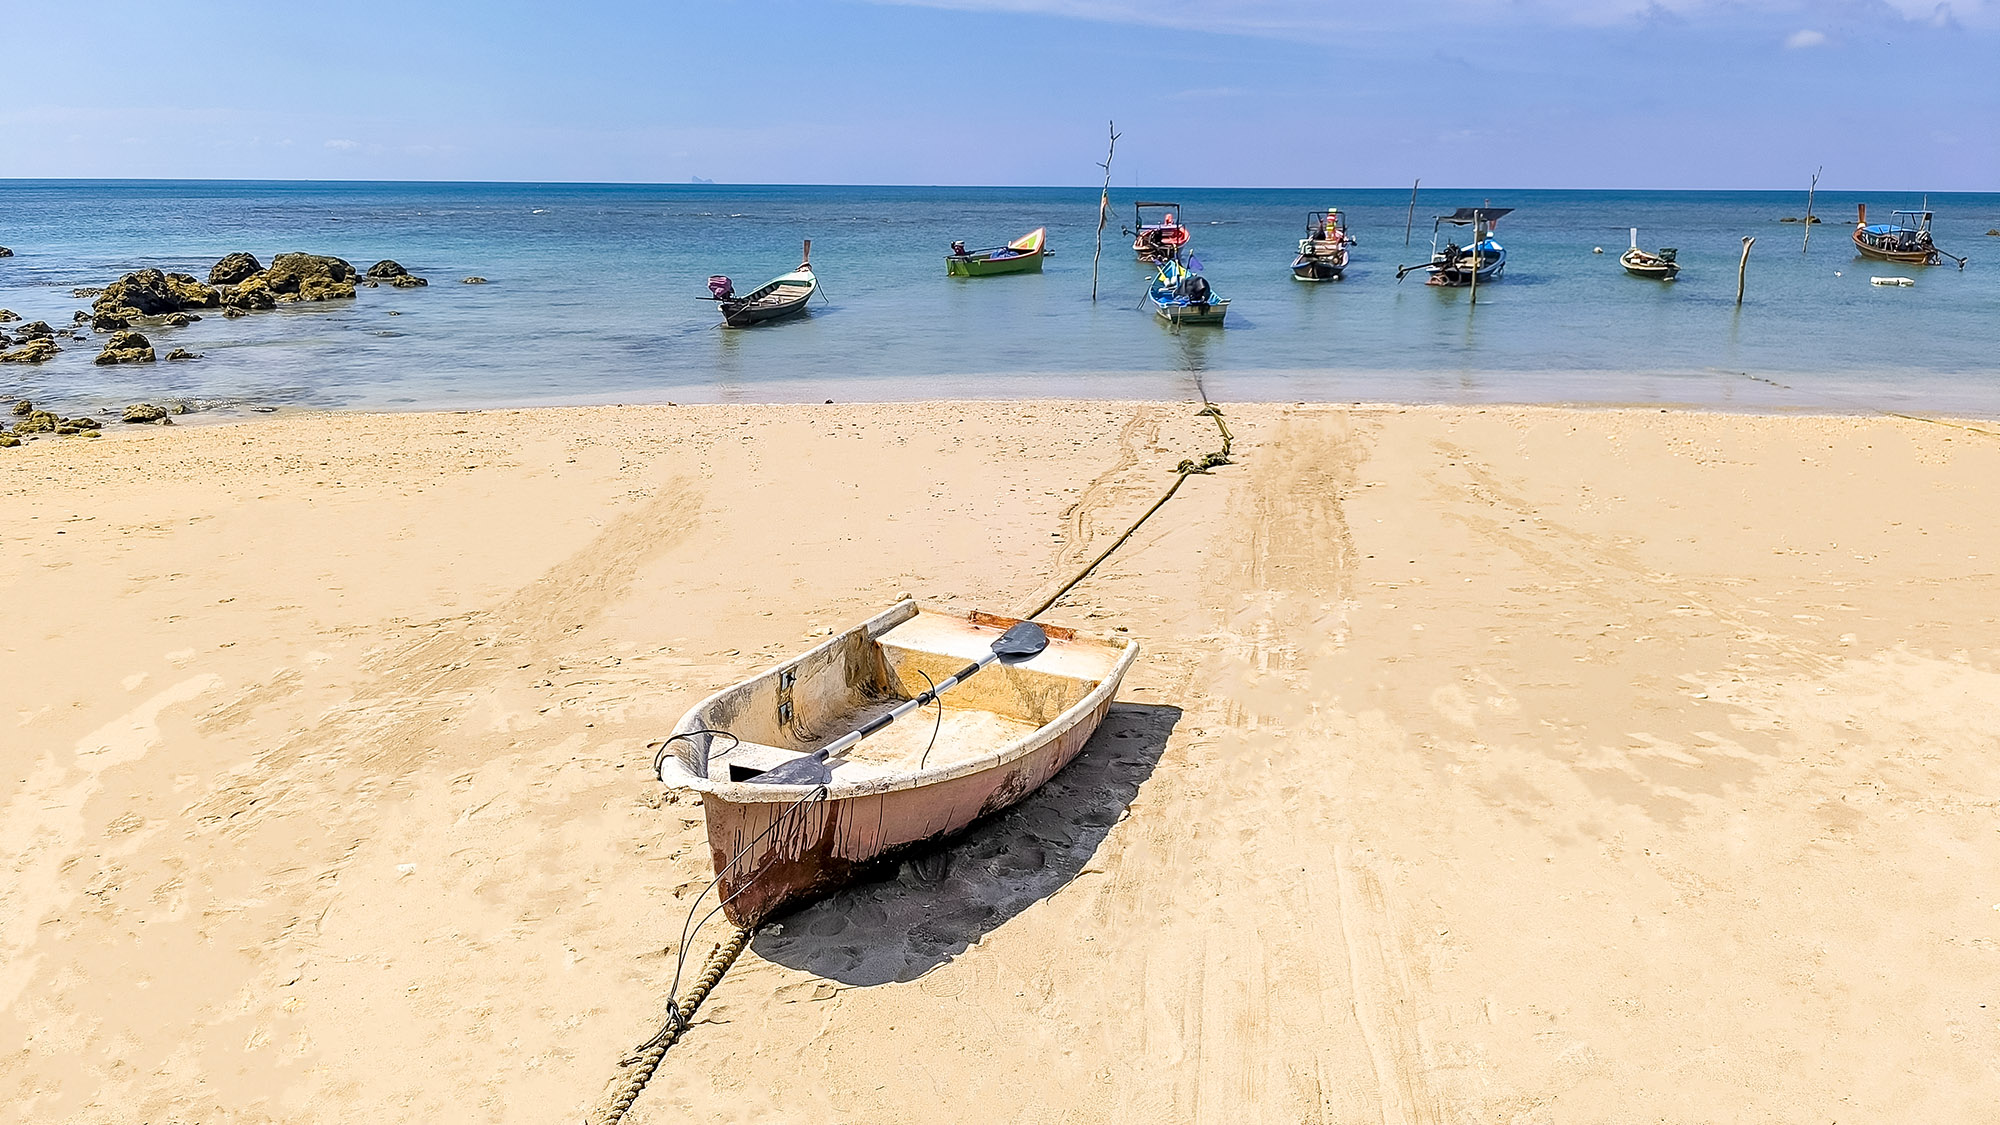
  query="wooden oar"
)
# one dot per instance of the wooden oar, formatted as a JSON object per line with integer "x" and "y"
{"x": 1023, "y": 641}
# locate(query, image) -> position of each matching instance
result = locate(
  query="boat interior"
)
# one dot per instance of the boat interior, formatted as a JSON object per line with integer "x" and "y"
{"x": 841, "y": 685}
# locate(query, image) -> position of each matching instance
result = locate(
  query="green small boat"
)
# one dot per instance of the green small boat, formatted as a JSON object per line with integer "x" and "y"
{"x": 1023, "y": 255}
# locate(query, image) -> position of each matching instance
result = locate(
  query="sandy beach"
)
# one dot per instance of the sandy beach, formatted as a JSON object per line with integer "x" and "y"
{"x": 1517, "y": 764}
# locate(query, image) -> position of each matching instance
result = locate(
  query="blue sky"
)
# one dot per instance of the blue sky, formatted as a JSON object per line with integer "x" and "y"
{"x": 1886, "y": 94}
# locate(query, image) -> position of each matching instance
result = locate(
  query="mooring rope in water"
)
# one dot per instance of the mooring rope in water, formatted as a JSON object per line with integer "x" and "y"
{"x": 649, "y": 1058}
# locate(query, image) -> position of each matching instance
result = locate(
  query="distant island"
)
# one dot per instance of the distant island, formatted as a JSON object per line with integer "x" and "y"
{"x": 699, "y": 180}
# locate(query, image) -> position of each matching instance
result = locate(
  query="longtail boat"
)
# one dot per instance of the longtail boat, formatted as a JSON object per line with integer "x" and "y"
{"x": 1023, "y": 255}
{"x": 1458, "y": 266}
{"x": 1323, "y": 250}
{"x": 1159, "y": 240}
{"x": 779, "y": 297}
{"x": 1663, "y": 266}
{"x": 796, "y": 808}
{"x": 1181, "y": 295}
{"x": 1899, "y": 241}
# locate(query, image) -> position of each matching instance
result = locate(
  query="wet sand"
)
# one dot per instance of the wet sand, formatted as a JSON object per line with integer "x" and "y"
{"x": 1510, "y": 764}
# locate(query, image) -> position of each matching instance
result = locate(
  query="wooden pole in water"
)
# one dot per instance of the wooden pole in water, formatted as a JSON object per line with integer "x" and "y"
{"x": 1103, "y": 210}
{"x": 1475, "y": 259}
{"x": 1411, "y": 220}
{"x": 1742, "y": 266}
{"x": 1814, "y": 186}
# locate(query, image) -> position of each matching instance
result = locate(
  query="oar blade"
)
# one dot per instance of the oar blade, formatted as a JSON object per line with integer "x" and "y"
{"x": 809, "y": 770}
{"x": 1022, "y": 641}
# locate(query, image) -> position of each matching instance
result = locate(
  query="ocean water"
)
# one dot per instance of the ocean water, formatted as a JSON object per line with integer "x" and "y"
{"x": 594, "y": 297}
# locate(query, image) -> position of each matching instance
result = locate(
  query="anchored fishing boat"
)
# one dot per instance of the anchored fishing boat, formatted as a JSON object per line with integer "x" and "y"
{"x": 1662, "y": 266}
{"x": 1181, "y": 295}
{"x": 1458, "y": 266}
{"x": 1023, "y": 255}
{"x": 1323, "y": 251}
{"x": 807, "y": 785}
{"x": 777, "y": 298}
{"x": 1899, "y": 241}
{"x": 1159, "y": 240}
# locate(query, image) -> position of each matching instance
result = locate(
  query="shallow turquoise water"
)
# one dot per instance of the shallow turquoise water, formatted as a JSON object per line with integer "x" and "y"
{"x": 595, "y": 288}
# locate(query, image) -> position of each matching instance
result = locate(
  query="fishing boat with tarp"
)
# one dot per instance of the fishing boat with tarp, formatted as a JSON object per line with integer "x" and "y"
{"x": 1023, "y": 255}
{"x": 1181, "y": 295}
{"x": 1482, "y": 261}
{"x": 1906, "y": 240}
{"x": 1323, "y": 250}
{"x": 806, "y": 784}
{"x": 1160, "y": 239}
{"x": 1661, "y": 266}
{"x": 777, "y": 298}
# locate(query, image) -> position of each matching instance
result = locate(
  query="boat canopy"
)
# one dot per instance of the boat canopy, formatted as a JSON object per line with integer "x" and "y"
{"x": 1029, "y": 243}
{"x": 1465, "y": 216}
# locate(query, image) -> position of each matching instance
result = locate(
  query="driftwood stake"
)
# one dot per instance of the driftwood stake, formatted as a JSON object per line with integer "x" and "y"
{"x": 1742, "y": 266}
{"x": 1814, "y": 186}
{"x": 1103, "y": 210}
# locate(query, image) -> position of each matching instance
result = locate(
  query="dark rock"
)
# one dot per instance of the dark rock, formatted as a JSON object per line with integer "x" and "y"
{"x": 181, "y": 320}
{"x": 33, "y": 329}
{"x": 140, "y": 412}
{"x": 5, "y": 253}
{"x": 9, "y": 441}
{"x": 110, "y": 322}
{"x": 8, "y": 316}
{"x": 183, "y": 353}
{"x": 1994, "y": 233}
{"x": 234, "y": 269}
{"x": 475, "y": 280}
{"x": 85, "y": 291}
{"x": 408, "y": 281}
{"x": 39, "y": 350}
{"x": 306, "y": 277}
{"x": 39, "y": 422}
{"x": 149, "y": 292}
{"x": 126, "y": 347}
{"x": 386, "y": 269}
{"x": 80, "y": 316}
{"x": 232, "y": 312}
{"x": 84, "y": 423}
{"x": 23, "y": 408}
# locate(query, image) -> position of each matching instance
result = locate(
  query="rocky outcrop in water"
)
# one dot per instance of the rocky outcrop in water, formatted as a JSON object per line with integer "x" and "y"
{"x": 9, "y": 316}
{"x": 150, "y": 292}
{"x": 473, "y": 280}
{"x": 393, "y": 272}
{"x": 5, "y": 253}
{"x": 183, "y": 353}
{"x": 126, "y": 347}
{"x": 142, "y": 412}
{"x": 309, "y": 277}
{"x": 35, "y": 329}
{"x": 234, "y": 269}
{"x": 38, "y": 350}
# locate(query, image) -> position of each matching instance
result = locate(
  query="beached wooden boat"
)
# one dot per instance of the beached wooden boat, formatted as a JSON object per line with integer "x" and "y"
{"x": 1906, "y": 240}
{"x": 775, "y": 299}
{"x": 1323, "y": 251}
{"x": 1663, "y": 266}
{"x": 1183, "y": 296}
{"x": 1457, "y": 266}
{"x": 1001, "y": 734}
{"x": 1160, "y": 239}
{"x": 1023, "y": 255}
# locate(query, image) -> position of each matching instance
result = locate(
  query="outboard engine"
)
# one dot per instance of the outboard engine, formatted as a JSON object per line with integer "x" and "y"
{"x": 721, "y": 287}
{"x": 1195, "y": 289}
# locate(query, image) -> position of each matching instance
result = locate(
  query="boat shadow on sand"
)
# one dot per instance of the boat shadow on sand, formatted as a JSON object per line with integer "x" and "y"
{"x": 937, "y": 905}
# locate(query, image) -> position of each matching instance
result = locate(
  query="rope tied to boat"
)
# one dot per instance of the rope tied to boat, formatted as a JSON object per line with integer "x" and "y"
{"x": 679, "y": 1017}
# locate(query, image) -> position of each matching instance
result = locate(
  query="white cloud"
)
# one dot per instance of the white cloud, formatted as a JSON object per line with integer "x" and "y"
{"x": 1798, "y": 40}
{"x": 343, "y": 145}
